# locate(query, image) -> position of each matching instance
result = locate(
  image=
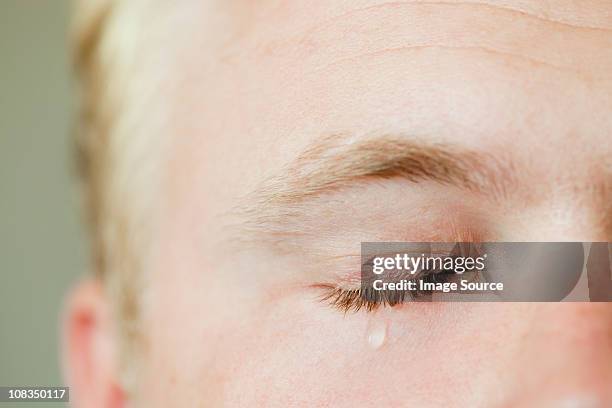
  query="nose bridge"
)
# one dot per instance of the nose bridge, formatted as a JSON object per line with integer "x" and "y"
{"x": 580, "y": 206}
{"x": 569, "y": 203}
{"x": 566, "y": 357}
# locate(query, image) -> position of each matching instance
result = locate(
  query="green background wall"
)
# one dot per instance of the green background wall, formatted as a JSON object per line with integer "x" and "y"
{"x": 42, "y": 247}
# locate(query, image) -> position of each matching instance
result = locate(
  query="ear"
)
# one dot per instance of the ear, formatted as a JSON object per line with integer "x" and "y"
{"x": 89, "y": 348}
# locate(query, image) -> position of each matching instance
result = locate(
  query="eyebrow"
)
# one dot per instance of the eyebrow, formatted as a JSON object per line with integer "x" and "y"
{"x": 332, "y": 164}
{"x": 337, "y": 162}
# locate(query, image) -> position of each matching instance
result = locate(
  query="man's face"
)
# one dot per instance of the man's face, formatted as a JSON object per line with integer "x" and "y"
{"x": 265, "y": 202}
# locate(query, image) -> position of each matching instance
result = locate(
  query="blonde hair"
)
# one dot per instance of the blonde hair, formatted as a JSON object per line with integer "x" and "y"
{"x": 115, "y": 150}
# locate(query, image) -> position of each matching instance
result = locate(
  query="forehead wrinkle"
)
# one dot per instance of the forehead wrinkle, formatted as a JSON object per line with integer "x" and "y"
{"x": 519, "y": 11}
{"x": 491, "y": 52}
{"x": 560, "y": 46}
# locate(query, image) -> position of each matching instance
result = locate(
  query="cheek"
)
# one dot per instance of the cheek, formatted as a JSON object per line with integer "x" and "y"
{"x": 186, "y": 318}
{"x": 297, "y": 351}
{"x": 303, "y": 354}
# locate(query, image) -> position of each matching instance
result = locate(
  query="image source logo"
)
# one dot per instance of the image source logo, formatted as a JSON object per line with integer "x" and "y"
{"x": 394, "y": 272}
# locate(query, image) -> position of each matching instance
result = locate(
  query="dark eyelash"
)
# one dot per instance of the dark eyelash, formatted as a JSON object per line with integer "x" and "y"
{"x": 353, "y": 300}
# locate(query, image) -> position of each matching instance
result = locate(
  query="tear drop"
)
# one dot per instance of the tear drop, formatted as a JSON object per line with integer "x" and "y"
{"x": 376, "y": 333}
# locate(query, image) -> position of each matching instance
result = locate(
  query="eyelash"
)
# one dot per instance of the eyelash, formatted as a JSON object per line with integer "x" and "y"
{"x": 354, "y": 300}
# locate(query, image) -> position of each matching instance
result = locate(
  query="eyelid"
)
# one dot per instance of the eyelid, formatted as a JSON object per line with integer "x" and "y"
{"x": 352, "y": 300}
{"x": 343, "y": 291}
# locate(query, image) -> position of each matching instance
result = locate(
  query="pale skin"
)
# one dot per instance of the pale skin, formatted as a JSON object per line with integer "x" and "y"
{"x": 526, "y": 88}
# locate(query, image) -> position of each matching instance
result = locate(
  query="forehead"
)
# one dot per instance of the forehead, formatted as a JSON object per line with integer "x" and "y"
{"x": 328, "y": 57}
{"x": 489, "y": 75}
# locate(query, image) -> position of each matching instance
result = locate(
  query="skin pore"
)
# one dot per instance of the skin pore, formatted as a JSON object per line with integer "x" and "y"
{"x": 295, "y": 130}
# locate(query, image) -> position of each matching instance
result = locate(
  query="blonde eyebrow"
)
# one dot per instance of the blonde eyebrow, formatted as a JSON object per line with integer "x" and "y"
{"x": 331, "y": 164}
